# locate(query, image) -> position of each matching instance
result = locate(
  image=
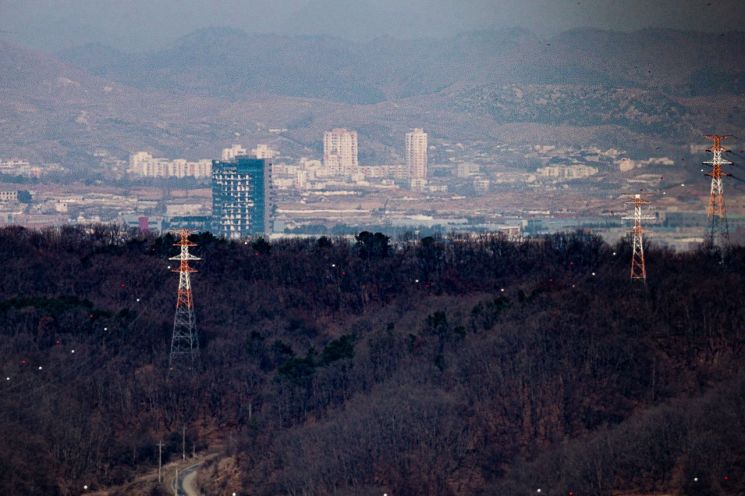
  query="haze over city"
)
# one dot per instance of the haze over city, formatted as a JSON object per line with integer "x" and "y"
{"x": 144, "y": 25}
{"x": 372, "y": 247}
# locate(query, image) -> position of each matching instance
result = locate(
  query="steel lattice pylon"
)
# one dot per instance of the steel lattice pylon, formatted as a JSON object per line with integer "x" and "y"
{"x": 638, "y": 265}
{"x": 184, "y": 342}
{"x": 715, "y": 210}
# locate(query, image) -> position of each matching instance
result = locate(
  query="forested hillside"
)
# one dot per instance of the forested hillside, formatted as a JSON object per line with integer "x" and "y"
{"x": 437, "y": 366}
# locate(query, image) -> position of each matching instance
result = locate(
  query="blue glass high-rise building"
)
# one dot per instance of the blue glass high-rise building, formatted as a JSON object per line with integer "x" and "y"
{"x": 241, "y": 197}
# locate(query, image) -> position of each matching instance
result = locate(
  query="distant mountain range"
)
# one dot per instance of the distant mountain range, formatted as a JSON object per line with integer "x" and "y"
{"x": 207, "y": 88}
{"x": 226, "y": 62}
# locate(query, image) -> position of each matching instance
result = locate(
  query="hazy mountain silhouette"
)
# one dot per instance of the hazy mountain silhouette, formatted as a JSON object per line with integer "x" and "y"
{"x": 227, "y": 62}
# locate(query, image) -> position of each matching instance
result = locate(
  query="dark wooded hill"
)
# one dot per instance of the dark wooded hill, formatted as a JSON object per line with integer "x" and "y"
{"x": 437, "y": 366}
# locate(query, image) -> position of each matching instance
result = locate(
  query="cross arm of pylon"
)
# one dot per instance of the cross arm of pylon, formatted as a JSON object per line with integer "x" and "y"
{"x": 643, "y": 217}
{"x": 187, "y": 256}
{"x": 190, "y": 270}
{"x": 717, "y": 139}
{"x": 636, "y": 199}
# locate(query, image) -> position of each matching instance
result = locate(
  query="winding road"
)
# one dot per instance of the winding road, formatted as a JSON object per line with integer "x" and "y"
{"x": 186, "y": 483}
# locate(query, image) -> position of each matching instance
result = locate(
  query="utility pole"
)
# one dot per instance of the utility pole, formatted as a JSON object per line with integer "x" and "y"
{"x": 715, "y": 210}
{"x": 160, "y": 460}
{"x": 184, "y": 342}
{"x": 638, "y": 265}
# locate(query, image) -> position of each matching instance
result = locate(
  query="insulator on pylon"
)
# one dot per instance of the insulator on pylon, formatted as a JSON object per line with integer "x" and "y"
{"x": 184, "y": 341}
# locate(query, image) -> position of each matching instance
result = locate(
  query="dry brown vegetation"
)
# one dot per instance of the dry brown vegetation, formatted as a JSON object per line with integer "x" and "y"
{"x": 331, "y": 367}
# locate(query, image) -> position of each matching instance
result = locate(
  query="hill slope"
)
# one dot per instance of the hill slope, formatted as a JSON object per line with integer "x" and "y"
{"x": 337, "y": 368}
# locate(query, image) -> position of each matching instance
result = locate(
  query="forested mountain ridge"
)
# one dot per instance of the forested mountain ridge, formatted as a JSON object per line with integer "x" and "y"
{"x": 453, "y": 366}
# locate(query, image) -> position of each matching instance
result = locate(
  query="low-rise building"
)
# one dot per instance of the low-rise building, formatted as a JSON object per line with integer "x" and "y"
{"x": 567, "y": 172}
{"x": 481, "y": 185}
{"x": 232, "y": 152}
{"x": 21, "y": 196}
{"x": 467, "y": 170}
{"x": 145, "y": 165}
{"x": 417, "y": 184}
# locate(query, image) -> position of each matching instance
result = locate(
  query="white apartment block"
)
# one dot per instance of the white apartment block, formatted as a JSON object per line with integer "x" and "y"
{"x": 145, "y": 165}
{"x": 416, "y": 153}
{"x": 263, "y": 151}
{"x": 17, "y": 167}
{"x": 417, "y": 184}
{"x": 384, "y": 171}
{"x": 7, "y": 196}
{"x": 138, "y": 160}
{"x": 467, "y": 170}
{"x": 574, "y": 171}
{"x": 340, "y": 151}
{"x": 481, "y": 185}
{"x": 232, "y": 152}
{"x": 301, "y": 179}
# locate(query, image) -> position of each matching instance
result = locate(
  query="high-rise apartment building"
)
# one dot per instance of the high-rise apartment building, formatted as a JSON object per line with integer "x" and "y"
{"x": 241, "y": 197}
{"x": 340, "y": 151}
{"x": 416, "y": 154}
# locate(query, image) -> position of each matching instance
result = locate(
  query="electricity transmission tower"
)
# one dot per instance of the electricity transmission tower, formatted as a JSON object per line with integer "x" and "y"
{"x": 638, "y": 265}
{"x": 184, "y": 342}
{"x": 716, "y": 212}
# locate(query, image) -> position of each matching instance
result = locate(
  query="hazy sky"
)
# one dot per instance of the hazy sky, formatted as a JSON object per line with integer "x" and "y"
{"x": 147, "y": 24}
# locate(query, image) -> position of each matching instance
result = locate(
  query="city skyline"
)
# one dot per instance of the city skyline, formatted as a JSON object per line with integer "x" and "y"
{"x": 446, "y": 133}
